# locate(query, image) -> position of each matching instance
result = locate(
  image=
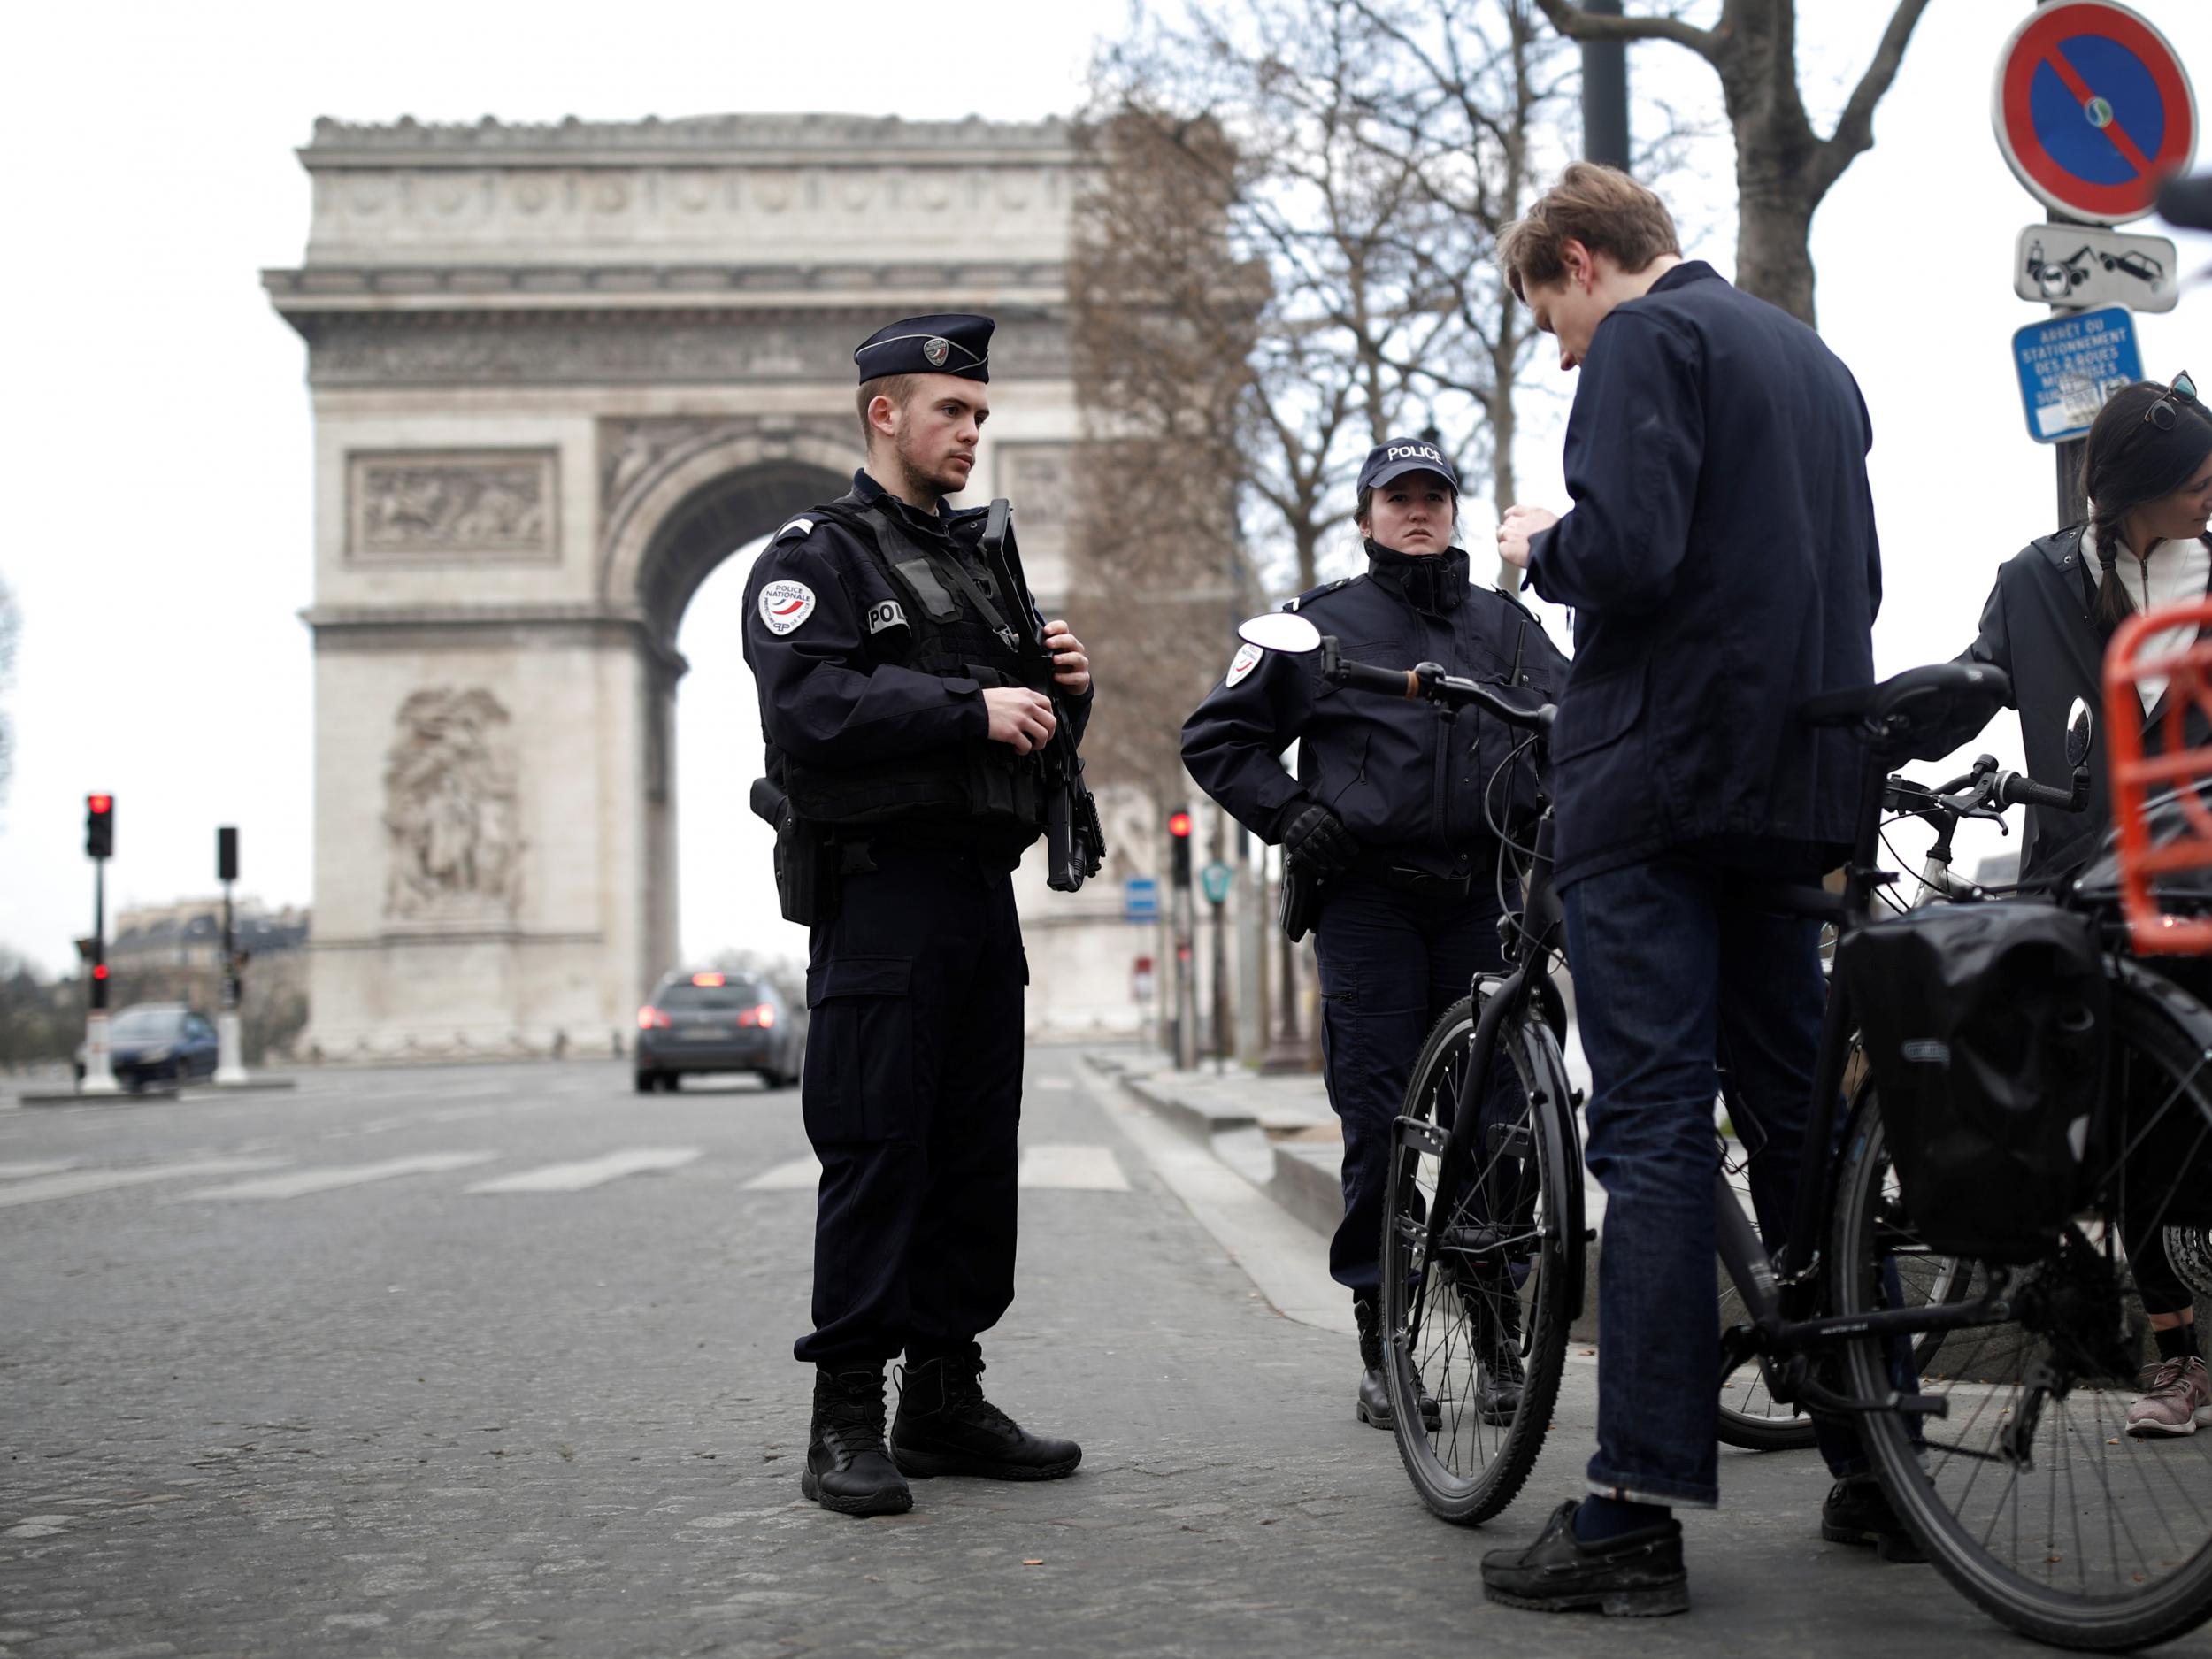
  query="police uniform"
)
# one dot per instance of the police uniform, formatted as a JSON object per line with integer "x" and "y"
{"x": 872, "y": 629}
{"x": 1402, "y": 930}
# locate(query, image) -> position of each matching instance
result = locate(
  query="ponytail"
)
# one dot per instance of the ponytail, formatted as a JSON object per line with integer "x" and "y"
{"x": 2115, "y": 604}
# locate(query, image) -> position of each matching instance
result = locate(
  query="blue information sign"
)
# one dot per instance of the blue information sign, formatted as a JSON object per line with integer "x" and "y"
{"x": 1139, "y": 900}
{"x": 2070, "y": 365}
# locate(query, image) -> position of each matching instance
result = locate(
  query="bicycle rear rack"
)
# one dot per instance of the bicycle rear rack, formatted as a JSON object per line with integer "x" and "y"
{"x": 2185, "y": 772}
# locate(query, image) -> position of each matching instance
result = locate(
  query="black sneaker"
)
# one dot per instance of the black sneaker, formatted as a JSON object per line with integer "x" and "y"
{"x": 945, "y": 1426}
{"x": 1858, "y": 1512}
{"x": 1637, "y": 1575}
{"x": 848, "y": 1469}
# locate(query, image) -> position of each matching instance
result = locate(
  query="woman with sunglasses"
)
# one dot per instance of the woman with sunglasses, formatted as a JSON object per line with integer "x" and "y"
{"x": 2147, "y": 469}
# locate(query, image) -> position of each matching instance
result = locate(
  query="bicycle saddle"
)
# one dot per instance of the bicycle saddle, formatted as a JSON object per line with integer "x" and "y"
{"x": 1922, "y": 714}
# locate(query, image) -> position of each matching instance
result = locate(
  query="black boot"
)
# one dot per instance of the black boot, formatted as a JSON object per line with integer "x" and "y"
{"x": 1499, "y": 1378}
{"x": 847, "y": 1468}
{"x": 1373, "y": 1403}
{"x": 945, "y": 1426}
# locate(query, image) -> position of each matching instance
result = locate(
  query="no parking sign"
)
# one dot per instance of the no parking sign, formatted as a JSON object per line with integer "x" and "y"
{"x": 2092, "y": 110}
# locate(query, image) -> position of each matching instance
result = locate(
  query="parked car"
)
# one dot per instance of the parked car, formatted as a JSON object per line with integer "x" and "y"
{"x": 704, "y": 1022}
{"x": 156, "y": 1043}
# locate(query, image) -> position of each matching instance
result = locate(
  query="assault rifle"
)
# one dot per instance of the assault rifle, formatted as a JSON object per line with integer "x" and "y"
{"x": 1075, "y": 842}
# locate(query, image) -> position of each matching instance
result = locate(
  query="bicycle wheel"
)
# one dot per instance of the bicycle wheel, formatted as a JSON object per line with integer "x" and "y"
{"x": 1751, "y": 1418}
{"x": 2029, "y": 1495}
{"x": 1508, "y": 1265}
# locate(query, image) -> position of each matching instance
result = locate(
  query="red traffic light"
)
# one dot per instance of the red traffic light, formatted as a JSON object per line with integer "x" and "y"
{"x": 1178, "y": 826}
{"x": 99, "y": 803}
{"x": 99, "y": 970}
{"x": 99, "y": 825}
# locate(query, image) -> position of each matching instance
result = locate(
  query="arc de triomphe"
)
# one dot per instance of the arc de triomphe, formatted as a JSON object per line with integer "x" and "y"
{"x": 558, "y": 374}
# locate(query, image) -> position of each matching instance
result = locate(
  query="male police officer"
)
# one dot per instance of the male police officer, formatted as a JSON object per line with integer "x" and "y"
{"x": 907, "y": 751}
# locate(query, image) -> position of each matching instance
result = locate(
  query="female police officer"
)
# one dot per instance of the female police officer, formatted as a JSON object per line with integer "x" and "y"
{"x": 1392, "y": 811}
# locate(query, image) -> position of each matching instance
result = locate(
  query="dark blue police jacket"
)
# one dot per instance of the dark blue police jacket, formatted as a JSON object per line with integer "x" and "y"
{"x": 1721, "y": 561}
{"x": 1404, "y": 778}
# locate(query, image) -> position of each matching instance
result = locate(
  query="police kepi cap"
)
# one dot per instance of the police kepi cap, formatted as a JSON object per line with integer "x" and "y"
{"x": 949, "y": 342}
{"x": 1397, "y": 456}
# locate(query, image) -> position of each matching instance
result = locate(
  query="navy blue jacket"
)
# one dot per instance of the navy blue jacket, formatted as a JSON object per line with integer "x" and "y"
{"x": 1403, "y": 778}
{"x": 1721, "y": 561}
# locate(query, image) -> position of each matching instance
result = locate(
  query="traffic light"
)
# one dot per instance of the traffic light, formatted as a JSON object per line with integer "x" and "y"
{"x": 99, "y": 825}
{"x": 1178, "y": 840}
{"x": 227, "y": 852}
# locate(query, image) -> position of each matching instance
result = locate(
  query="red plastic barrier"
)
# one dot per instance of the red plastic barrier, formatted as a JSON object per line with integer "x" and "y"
{"x": 2136, "y": 774}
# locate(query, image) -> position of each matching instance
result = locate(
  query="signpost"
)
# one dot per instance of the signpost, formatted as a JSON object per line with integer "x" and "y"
{"x": 2070, "y": 365}
{"x": 2094, "y": 113}
{"x": 1214, "y": 878}
{"x": 2072, "y": 265}
{"x": 99, "y": 845}
{"x": 230, "y": 1068}
{"x": 2092, "y": 110}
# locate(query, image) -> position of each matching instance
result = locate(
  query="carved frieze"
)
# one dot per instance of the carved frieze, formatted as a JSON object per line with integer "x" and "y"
{"x": 623, "y": 349}
{"x": 634, "y": 453}
{"x": 1039, "y": 478}
{"x": 451, "y": 819}
{"x": 474, "y": 505}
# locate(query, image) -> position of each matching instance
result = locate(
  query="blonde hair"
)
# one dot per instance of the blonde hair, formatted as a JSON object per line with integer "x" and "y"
{"x": 897, "y": 388}
{"x": 1602, "y": 208}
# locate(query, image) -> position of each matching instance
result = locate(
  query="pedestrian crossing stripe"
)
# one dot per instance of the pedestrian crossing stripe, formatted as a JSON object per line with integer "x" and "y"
{"x": 1077, "y": 1169}
{"x": 575, "y": 1178}
{"x": 330, "y": 1176}
{"x": 78, "y": 1183}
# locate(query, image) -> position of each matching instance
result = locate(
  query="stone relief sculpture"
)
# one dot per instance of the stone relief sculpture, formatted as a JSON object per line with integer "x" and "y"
{"x": 413, "y": 506}
{"x": 451, "y": 819}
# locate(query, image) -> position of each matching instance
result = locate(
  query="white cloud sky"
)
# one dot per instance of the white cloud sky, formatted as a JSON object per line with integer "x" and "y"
{"x": 157, "y": 429}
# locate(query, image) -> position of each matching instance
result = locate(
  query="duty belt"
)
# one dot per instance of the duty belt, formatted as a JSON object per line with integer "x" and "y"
{"x": 1377, "y": 865}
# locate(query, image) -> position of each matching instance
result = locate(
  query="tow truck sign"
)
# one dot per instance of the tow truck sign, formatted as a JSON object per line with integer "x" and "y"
{"x": 2072, "y": 265}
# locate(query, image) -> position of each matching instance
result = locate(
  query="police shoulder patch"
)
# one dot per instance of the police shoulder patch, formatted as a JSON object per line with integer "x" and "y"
{"x": 1242, "y": 664}
{"x": 795, "y": 530}
{"x": 886, "y": 614}
{"x": 785, "y": 604}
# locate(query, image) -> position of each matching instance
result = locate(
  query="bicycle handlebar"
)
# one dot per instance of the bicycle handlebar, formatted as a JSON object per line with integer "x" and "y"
{"x": 1428, "y": 682}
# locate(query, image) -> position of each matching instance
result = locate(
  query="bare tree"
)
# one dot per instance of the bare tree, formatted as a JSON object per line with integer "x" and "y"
{"x": 1784, "y": 168}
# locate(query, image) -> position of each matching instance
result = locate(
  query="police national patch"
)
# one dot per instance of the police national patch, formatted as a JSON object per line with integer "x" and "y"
{"x": 1242, "y": 664}
{"x": 784, "y": 605}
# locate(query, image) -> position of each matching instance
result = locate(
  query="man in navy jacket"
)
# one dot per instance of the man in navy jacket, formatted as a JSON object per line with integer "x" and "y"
{"x": 1721, "y": 562}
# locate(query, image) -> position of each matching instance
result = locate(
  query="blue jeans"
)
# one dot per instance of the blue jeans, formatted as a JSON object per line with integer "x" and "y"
{"x": 1671, "y": 967}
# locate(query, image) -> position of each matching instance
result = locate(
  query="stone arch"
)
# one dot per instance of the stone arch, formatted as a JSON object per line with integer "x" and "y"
{"x": 708, "y": 492}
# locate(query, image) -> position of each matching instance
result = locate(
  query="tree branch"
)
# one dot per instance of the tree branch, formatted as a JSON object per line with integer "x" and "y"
{"x": 1578, "y": 25}
{"x": 1854, "y": 127}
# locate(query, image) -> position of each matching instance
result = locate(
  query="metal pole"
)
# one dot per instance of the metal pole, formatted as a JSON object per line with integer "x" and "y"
{"x": 1186, "y": 985}
{"x": 230, "y": 1066}
{"x": 99, "y": 1076}
{"x": 1605, "y": 94}
{"x": 2073, "y": 507}
{"x": 1286, "y": 1051}
{"x": 1251, "y": 952}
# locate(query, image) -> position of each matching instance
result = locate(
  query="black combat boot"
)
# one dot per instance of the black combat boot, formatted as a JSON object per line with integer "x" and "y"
{"x": 1499, "y": 1378}
{"x": 847, "y": 1467}
{"x": 1373, "y": 1403}
{"x": 945, "y": 1426}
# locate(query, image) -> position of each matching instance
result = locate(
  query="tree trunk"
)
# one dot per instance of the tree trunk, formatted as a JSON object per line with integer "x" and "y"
{"x": 1774, "y": 223}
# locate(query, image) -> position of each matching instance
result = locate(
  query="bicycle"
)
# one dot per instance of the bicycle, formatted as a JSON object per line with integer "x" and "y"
{"x": 1986, "y": 1456}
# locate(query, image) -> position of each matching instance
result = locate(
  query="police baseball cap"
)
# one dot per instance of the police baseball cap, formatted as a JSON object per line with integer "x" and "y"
{"x": 945, "y": 342}
{"x": 1397, "y": 456}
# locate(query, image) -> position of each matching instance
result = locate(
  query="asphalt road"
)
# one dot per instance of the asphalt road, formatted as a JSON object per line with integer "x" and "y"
{"x": 496, "y": 1360}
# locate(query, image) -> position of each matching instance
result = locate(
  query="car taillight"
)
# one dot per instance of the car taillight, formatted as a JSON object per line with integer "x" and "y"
{"x": 764, "y": 1016}
{"x": 650, "y": 1019}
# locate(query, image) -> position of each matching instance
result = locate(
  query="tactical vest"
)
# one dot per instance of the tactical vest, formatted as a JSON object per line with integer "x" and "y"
{"x": 946, "y": 635}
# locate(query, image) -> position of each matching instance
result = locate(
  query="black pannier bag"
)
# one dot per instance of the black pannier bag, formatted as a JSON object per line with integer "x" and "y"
{"x": 1985, "y": 1026}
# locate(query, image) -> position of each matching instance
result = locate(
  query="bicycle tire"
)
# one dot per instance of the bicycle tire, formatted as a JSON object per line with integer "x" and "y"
{"x": 2140, "y": 1596}
{"x": 1466, "y": 1469}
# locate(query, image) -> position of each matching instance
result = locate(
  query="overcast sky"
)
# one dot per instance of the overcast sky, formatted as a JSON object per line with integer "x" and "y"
{"x": 158, "y": 426}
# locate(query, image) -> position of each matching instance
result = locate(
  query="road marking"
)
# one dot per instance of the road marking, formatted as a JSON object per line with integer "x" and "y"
{"x": 329, "y": 1177}
{"x": 786, "y": 1178}
{"x": 1072, "y": 1169}
{"x": 574, "y": 1178}
{"x": 102, "y": 1180}
{"x": 1053, "y": 1082}
{"x": 17, "y": 1171}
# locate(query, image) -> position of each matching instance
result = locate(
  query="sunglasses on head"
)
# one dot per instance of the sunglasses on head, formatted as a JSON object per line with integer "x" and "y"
{"x": 2166, "y": 412}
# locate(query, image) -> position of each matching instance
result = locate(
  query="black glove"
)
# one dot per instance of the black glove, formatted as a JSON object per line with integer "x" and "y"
{"x": 1317, "y": 839}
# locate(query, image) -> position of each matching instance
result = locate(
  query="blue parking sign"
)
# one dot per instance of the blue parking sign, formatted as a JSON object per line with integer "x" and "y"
{"x": 1139, "y": 900}
{"x": 2070, "y": 365}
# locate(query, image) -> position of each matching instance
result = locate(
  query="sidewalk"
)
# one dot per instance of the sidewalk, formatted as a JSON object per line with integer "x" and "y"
{"x": 1279, "y": 1134}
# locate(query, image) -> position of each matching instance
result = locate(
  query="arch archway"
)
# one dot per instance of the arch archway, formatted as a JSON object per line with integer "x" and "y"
{"x": 706, "y": 507}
